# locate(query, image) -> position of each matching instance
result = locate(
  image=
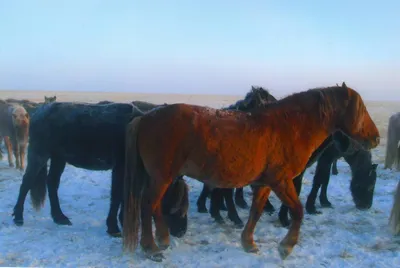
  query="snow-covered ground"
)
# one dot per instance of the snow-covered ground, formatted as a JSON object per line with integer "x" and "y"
{"x": 340, "y": 237}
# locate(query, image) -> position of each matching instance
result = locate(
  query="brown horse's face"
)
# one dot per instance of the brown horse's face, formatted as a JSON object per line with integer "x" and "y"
{"x": 20, "y": 119}
{"x": 358, "y": 124}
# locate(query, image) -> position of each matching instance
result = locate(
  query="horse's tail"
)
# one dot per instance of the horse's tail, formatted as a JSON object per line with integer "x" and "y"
{"x": 134, "y": 184}
{"x": 38, "y": 191}
{"x": 394, "y": 219}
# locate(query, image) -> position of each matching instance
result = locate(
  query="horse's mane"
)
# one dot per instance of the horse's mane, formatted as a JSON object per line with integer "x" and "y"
{"x": 256, "y": 93}
{"x": 323, "y": 98}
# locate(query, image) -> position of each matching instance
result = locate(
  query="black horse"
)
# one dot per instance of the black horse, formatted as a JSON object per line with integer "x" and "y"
{"x": 86, "y": 136}
{"x": 336, "y": 146}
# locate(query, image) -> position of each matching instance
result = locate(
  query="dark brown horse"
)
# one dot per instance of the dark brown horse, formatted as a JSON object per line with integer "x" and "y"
{"x": 229, "y": 149}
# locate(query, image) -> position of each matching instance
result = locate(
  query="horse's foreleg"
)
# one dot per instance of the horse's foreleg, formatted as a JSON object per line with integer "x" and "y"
{"x": 232, "y": 212}
{"x": 260, "y": 195}
{"x": 239, "y": 198}
{"x": 9, "y": 151}
{"x": 217, "y": 198}
{"x": 286, "y": 192}
{"x": 15, "y": 148}
{"x": 334, "y": 168}
{"x": 321, "y": 173}
{"x": 22, "y": 150}
{"x": 201, "y": 201}
{"x": 116, "y": 199}
{"x": 53, "y": 182}
{"x": 284, "y": 210}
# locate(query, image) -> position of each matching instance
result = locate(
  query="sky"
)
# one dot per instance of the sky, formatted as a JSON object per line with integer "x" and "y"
{"x": 193, "y": 47}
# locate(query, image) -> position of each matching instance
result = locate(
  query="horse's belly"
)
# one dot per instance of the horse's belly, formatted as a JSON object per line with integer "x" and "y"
{"x": 89, "y": 162}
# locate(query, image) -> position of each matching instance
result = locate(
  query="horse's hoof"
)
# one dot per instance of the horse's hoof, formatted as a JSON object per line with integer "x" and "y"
{"x": 202, "y": 210}
{"x": 284, "y": 251}
{"x": 223, "y": 207}
{"x": 251, "y": 248}
{"x": 11, "y": 165}
{"x": 326, "y": 204}
{"x": 62, "y": 220}
{"x": 157, "y": 257}
{"x": 313, "y": 211}
{"x": 269, "y": 210}
{"x": 116, "y": 234}
{"x": 18, "y": 222}
{"x": 239, "y": 225}
{"x": 219, "y": 220}
{"x": 163, "y": 246}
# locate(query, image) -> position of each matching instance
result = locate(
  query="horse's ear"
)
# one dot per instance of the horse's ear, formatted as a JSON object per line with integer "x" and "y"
{"x": 344, "y": 85}
{"x": 341, "y": 141}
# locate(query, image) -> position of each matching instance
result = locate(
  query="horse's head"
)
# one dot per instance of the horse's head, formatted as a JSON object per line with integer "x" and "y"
{"x": 356, "y": 121}
{"x": 50, "y": 99}
{"x": 258, "y": 97}
{"x": 20, "y": 121}
{"x": 363, "y": 181}
{"x": 175, "y": 206}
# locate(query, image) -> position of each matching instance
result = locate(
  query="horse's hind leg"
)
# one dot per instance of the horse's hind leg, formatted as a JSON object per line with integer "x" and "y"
{"x": 201, "y": 201}
{"x": 269, "y": 208}
{"x": 232, "y": 212}
{"x": 286, "y": 192}
{"x": 284, "y": 210}
{"x": 9, "y": 151}
{"x": 115, "y": 202}
{"x": 239, "y": 198}
{"x": 260, "y": 195}
{"x": 32, "y": 178}
{"x": 53, "y": 182}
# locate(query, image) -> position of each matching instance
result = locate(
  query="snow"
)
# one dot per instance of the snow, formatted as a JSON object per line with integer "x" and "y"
{"x": 341, "y": 236}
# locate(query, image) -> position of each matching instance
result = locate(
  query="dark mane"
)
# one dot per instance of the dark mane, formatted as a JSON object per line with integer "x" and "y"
{"x": 255, "y": 98}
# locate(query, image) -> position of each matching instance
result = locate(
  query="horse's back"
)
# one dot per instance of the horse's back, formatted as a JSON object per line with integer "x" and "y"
{"x": 84, "y": 133}
{"x": 201, "y": 139}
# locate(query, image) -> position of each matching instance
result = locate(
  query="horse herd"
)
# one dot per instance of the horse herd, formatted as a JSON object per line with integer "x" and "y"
{"x": 259, "y": 141}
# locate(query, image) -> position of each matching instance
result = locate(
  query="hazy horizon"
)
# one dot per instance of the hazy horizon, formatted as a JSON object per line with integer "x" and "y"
{"x": 203, "y": 47}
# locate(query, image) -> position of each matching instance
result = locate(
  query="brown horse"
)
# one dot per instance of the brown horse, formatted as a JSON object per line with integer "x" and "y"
{"x": 266, "y": 148}
{"x": 14, "y": 128}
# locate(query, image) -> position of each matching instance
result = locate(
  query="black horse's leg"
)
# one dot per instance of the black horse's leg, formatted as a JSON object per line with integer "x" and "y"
{"x": 321, "y": 173}
{"x": 268, "y": 207}
{"x": 115, "y": 202}
{"x": 239, "y": 198}
{"x": 323, "y": 198}
{"x": 232, "y": 212}
{"x": 201, "y": 201}
{"x": 284, "y": 210}
{"x": 334, "y": 168}
{"x": 36, "y": 165}
{"x": 57, "y": 167}
{"x": 217, "y": 198}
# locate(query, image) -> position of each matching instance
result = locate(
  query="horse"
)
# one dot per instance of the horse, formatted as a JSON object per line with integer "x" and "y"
{"x": 393, "y": 143}
{"x": 360, "y": 161}
{"x": 394, "y": 219}
{"x": 14, "y": 129}
{"x": 86, "y": 136}
{"x": 256, "y": 97}
{"x": 230, "y": 149}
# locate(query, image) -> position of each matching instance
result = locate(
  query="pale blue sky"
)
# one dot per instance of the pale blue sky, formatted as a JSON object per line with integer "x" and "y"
{"x": 188, "y": 46}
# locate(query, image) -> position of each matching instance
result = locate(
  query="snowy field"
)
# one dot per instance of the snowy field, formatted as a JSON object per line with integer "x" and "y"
{"x": 340, "y": 237}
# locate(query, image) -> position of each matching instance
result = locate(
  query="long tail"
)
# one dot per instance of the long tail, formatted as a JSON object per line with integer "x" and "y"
{"x": 134, "y": 184}
{"x": 394, "y": 220}
{"x": 38, "y": 191}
